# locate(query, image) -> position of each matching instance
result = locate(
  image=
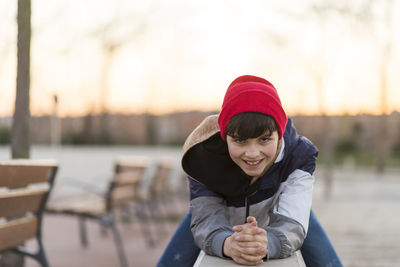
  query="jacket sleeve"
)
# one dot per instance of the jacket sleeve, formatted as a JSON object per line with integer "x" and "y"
{"x": 290, "y": 215}
{"x": 209, "y": 223}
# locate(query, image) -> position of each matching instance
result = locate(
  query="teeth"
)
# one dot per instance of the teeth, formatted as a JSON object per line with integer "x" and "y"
{"x": 253, "y": 162}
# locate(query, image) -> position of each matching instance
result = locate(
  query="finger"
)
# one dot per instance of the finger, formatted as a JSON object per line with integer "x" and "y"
{"x": 256, "y": 231}
{"x": 254, "y": 224}
{"x": 237, "y": 228}
{"x": 262, "y": 238}
{"x": 246, "y": 228}
{"x": 253, "y": 235}
{"x": 241, "y": 237}
{"x": 251, "y": 248}
{"x": 250, "y": 244}
{"x": 252, "y": 258}
{"x": 235, "y": 253}
{"x": 241, "y": 227}
{"x": 249, "y": 231}
{"x": 251, "y": 219}
{"x": 252, "y": 229}
{"x": 258, "y": 251}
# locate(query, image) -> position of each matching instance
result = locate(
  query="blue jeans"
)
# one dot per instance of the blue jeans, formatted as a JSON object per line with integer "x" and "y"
{"x": 317, "y": 250}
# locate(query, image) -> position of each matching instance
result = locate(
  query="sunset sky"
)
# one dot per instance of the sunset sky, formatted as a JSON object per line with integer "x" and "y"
{"x": 178, "y": 55}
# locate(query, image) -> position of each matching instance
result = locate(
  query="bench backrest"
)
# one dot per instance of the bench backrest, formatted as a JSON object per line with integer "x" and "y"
{"x": 159, "y": 185}
{"x": 125, "y": 184}
{"x": 24, "y": 189}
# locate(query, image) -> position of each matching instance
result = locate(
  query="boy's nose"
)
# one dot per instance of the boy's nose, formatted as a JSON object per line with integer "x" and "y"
{"x": 252, "y": 152}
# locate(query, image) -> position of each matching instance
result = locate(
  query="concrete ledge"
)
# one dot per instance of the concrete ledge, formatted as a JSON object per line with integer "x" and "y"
{"x": 203, "y": 260}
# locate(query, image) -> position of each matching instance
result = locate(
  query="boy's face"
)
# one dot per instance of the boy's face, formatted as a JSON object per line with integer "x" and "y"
{"x": 254, "y": 154}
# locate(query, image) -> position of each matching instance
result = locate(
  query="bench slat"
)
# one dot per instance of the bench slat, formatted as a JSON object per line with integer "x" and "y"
{"x": 18, "y": 202}
{"x": 123, "y": 165}
{"x": 18, "y": 176}
{"x": 87, "y": 205}
{"x": 127, "y": 178}
{"x": 14, "y": 233}
{"x": 122, "y": 195}
{"x": 160, "y": 183}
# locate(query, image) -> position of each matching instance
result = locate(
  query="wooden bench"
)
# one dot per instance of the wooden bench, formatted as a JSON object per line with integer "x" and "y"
{"x": 122, "y": 190}
{"x": 203, "y": 260}
{"x": 25, "y": 186}
{"x": 152, "y": 198}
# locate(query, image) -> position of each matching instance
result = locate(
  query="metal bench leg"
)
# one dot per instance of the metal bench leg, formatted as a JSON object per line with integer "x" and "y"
{"x": 118, "y": 242}
{"x": 82, "y": 231}
{"x": 103, "y": 230}
{"x": 159, "y": 216}
{"x": 41, "y": 256}
{"x": 144, "y": 221}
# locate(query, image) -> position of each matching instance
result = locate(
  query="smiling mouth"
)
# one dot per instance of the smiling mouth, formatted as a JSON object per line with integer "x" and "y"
{"x": 253, "y": 163}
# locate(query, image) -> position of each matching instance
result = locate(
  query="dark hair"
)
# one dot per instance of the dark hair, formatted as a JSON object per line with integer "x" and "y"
{"x": 247, "y": 125}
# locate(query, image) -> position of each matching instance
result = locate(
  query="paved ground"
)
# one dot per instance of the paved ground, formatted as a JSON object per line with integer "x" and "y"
{"x": 62, "y": 243}
{"x": 362, "y": 218}
{"x": 64, "y": 249}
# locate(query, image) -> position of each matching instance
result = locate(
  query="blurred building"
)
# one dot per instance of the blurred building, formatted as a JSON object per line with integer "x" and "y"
{"x": 362, "y": 131}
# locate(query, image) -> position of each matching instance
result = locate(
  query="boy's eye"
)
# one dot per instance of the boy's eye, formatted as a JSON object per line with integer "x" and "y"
{"x": 265, "y": 139}
{"x": 240, "y": 141}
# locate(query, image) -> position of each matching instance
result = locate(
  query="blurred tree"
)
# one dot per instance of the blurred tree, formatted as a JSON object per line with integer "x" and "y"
{"x": 386, "y": 48}
{"x": 109, "y": 54}
{"x": 376, "y": 18}
{"x": 20, "y": 128}
{"x": 396, "y": 147}
{"x": 349, "y": 145}
{"x": 55, "y": 123}
{"x": 87, "y": 135}
{"x": 151, "y": 129}
{"x": 317, "y": 69}
{"x": 112, "y": 39}
{"x": 365, "y": 15}
{"x": 20, "y": 143}
{"x": 115, "y": 33}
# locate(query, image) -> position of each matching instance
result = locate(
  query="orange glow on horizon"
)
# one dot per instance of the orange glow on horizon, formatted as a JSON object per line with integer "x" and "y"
{"x": 186, "y": 54}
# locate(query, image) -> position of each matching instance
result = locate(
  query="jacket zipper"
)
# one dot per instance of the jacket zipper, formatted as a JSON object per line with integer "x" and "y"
{"x": 246, "y": 203}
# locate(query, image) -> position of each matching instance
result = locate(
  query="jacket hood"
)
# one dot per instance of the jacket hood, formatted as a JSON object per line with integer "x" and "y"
{"x": 206, "y": 159}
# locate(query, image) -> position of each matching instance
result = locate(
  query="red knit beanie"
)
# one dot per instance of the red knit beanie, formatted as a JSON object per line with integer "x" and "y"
{"x": 251, "y": 93}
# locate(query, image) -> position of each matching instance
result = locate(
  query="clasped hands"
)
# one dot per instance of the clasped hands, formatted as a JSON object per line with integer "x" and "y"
{"x": 248, "y": 244}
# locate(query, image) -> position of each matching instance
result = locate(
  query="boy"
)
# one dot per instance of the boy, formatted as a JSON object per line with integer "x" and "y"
{"x": 250, "y": 181}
